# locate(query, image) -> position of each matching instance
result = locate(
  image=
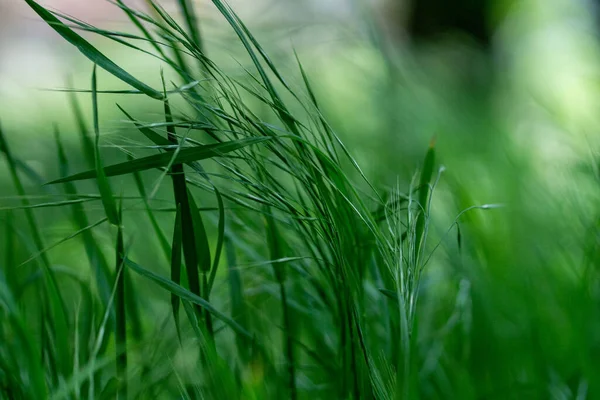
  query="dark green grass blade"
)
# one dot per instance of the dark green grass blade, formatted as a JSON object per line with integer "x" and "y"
{"x": 176, "y": 266}
{"x": 238, "y": 305}
{"x": 191, "y": 297}
{"x": 121, "y": 317}
{"x": 275, "y": 243}
{"x": 276, "y": 251}
{"x": 136, "y": 21}
{"x": 183, "y": 200}
{"x": 201, "y": 236}
{"x": 220, "y": 241}
{"x": 90, "y": 51}
{"x": 424, "y": 184}
{"x": 187, "y": 9}
{"x": 202, "y": 252}
{"x": 186, "y": 155}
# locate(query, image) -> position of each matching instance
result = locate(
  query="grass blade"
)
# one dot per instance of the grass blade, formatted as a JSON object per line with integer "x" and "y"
{"x": 108, "y": 200}
{"x": 121, "y": 316}
{"x": 187, "y": 9}
{"x": 220, "y": 241}
{"x": 186, "y": 155}
{"x": 185, "y": 294}
{"x": 176, "y": 266}
{"x": 114, "y": 216}
{"x": 423, "y": 195}
{"x": 90, "y": 51}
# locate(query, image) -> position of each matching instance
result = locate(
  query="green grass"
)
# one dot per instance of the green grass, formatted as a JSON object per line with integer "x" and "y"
{"x": 299, "y": 276}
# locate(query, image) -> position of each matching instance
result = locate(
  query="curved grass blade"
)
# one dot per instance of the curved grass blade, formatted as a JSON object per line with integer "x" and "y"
{"x": 90, "y": 51}
{"x": 185, "y": 294}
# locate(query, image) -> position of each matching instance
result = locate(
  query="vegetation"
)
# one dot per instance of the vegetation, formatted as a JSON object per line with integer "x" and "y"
{"x": 298, "y": 274}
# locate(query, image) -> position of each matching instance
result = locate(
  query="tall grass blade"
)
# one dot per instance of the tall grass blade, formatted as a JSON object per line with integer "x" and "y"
{"x": 423, "y": 196}
{"x": 187, "y": 9}
{"x": 114, "y": 217}
{"x": 276, "y": 251}
{"x": 90, "y": 51}
{"x": 121, "y": 316}
{"x": 176, "y": 266}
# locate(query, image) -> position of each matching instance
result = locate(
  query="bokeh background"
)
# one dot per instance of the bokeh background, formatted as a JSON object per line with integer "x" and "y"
{"x": 510, "y": 91}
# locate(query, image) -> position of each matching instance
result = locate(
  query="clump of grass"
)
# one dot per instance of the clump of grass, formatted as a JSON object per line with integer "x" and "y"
{"x": 310, "y": 229}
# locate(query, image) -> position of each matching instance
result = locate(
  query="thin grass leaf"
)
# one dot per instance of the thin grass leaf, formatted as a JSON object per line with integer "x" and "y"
{"x": 236, "y": 293}
{"x": 185, "y": 294}
{"x": 176, "y": 266}
{"x": 202, "y": 252}
{"x": 202, "y": 246}
{"x": 186, "y": 155}
{"x": 149, "y": 133}
{"x": 121, "y": 312}
{"x": 42, "y": 253}
{"x": 108, "y": 201}
{"x": 220, "y": 241}
{"x": 423, "y": 195}
{"x": 47, "y": 205}
{"x": 187, "y": 9}
{"x": 90, "y": 51}
{"x": 183, "y": 201}
{"x": 87, "y": 144}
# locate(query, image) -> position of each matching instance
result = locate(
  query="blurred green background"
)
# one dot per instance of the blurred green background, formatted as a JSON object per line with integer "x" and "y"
{"x": 509, "y": 90}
